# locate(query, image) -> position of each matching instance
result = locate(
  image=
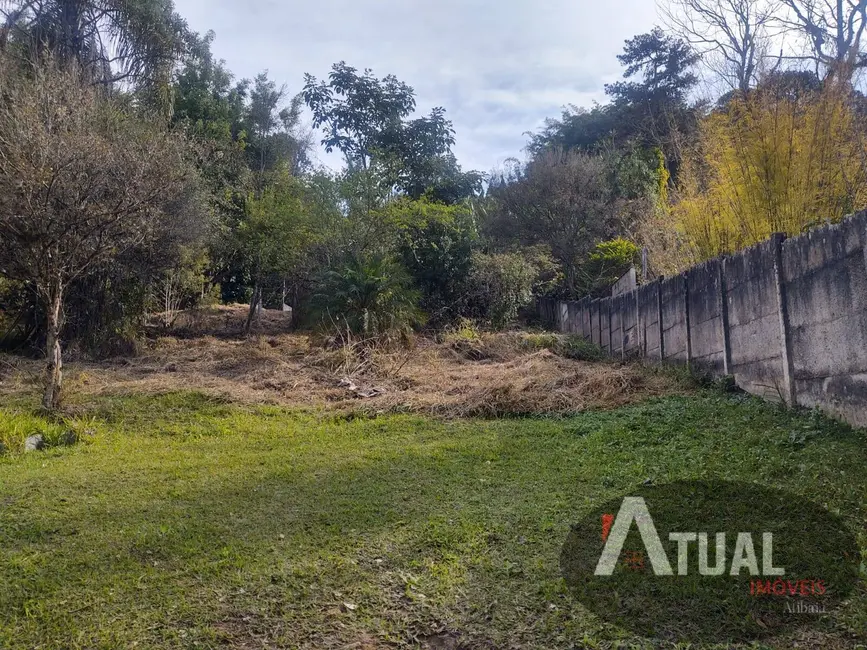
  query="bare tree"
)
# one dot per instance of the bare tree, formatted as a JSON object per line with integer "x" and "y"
{"x": 731, "y": 34}
{"x": 833, "y": 30}
{"x": 81, "y": 183}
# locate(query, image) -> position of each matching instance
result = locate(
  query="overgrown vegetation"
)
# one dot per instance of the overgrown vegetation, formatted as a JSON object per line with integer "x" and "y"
{"x": 104, "y": 101}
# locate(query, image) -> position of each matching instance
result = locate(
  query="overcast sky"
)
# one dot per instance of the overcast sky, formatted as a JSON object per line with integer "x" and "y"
{"x": 498, "y": 68}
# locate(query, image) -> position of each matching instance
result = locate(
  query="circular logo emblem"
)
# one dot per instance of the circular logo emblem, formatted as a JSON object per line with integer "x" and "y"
{"x": 710, "y": 561}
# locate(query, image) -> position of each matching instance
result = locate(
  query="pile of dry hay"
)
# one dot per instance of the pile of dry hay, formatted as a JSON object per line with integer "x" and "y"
{"x": 491, "y": 376}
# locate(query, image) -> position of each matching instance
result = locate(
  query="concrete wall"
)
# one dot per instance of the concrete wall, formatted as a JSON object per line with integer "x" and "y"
{"x": 648, "y": 321}
{"x": 705, "y": 309}
{"x": 786, "y": 318}
{"x": 824, "y": 280}
{"x": 605, "y": 324}
{"x": 616, "y": 318}
{"x": 629, "y": 282}
{"x": 584, "y": 310}
{"x": 675, "y": 327}
{"x": 754, "y": 320}
{"x": 595, "y": 328}
{"x": 629, "y": 324}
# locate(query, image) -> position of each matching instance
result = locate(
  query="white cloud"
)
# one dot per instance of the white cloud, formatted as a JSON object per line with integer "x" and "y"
{"x": 498, "y": 68}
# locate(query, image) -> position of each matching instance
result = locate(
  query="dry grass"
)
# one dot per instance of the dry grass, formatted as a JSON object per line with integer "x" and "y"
{"x": 494, "y": 375}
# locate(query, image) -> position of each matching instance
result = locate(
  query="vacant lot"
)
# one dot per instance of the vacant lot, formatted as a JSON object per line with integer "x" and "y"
{"x": 273, "y": 493}
{"x": 459, "y": 375}
{"x": 182, "y": 521}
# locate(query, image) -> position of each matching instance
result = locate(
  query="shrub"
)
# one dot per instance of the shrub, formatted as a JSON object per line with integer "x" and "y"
{"x": 462, "y": 331}
{"x": 569, "y": 347}
{"x": 436, "y": 250}
{"x": 368, "y": 295}
{"x": 607, "y": 264}
{"x": 580, "y": 349}
{"x": 499, "y": 286}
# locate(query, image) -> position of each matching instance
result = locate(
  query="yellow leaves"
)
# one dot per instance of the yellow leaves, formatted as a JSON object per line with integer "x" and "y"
{"x": 769, "y": 164}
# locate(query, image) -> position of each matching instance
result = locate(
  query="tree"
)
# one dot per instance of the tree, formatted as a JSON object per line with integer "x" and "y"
{"x": 275, "y": 235}
{"x": 499, "y": 286}
{"x": 274, "y": 140}
{"x": 589, "y": 130}
{"x": 110, "y": 41}
{"x": 833, "y": 30}
{"x": 212, "y": 109}
{"x": 357, "y": 110}
{"x": 775, "y": 161}
{"x": 664, "y": 64}
{"x": 436, "y": 247}
{"x": 731, "y": 35}
{"x": 561, "y": 200}
{"x": 81, "y": 182}
{"x": 366, "y": 118}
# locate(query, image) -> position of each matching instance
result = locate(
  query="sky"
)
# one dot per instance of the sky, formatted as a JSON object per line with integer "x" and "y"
{"x": 498, "y": 68}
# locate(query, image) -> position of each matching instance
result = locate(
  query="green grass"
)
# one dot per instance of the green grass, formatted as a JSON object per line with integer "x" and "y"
{"x": 185, "y": 522}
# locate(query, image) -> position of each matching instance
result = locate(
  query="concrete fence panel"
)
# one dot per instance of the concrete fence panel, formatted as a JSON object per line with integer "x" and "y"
{"x": 595, "y": 325}
{"x": 706, "y": 316}
{"x": 605, "y": 324}
{"x": 648, "y": 318}
{"x": 616, "y": 325}
{"x": 824, "y": 280}
{"x": 754, "y": 320}
{"x": 561, "y": 315}
{"x": 675, "y": 319}
{"x": 573, "y": 322}
{"x": 787, "y": 318}
{"x": 629, "y": 324}
{"x": 584, "y": 305}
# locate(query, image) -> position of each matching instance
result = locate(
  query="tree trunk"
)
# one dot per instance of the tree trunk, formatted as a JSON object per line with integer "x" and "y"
{"x": 53, "y": 355}
{"x": 254, "y": 308}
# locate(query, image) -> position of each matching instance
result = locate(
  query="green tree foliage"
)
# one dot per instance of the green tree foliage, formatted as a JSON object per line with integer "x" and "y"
{"x": 563, "y": 201}
{"x": 436, "y": 248}
{"x": 367, "y": 119}
{"x": 648, "y": 110}
{"x": 664, "y": 65}
{"x": 212, "y": 109}
{"x": 607, "y": 264}
{"x": 280, "y": 231}
{"x": 134, "y": 42}
{"x": 274, "y": 141}
{"x": 499, "y": 286}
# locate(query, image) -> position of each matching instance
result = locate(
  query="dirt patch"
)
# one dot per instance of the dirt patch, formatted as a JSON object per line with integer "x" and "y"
{"x": 495, "y": 375}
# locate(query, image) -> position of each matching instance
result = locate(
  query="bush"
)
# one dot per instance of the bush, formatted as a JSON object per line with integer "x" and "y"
{"x": 607, "y": 264}
{"x": 499, "y": 286}
{"x": 569, "y": 347}
{"x": 368, "y": 295}
{"x": 436, "y": 250}
{"x": 580, "y": 349}
{"x": 464, "y": 330}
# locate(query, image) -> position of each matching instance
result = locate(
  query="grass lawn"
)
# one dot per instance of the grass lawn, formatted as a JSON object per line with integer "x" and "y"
{"x": 185, "y": 522}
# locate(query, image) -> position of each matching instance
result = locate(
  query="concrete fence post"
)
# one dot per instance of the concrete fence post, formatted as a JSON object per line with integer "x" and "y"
{"x": 724, "y": 317}
{"x": 659, "y": 320}
{"x": 686, "y": 320}
{"x": 789, "y": 395}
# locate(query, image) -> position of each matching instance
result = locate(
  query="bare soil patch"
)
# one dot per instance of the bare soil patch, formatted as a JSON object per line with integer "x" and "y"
{"x": 494, "y": 375}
